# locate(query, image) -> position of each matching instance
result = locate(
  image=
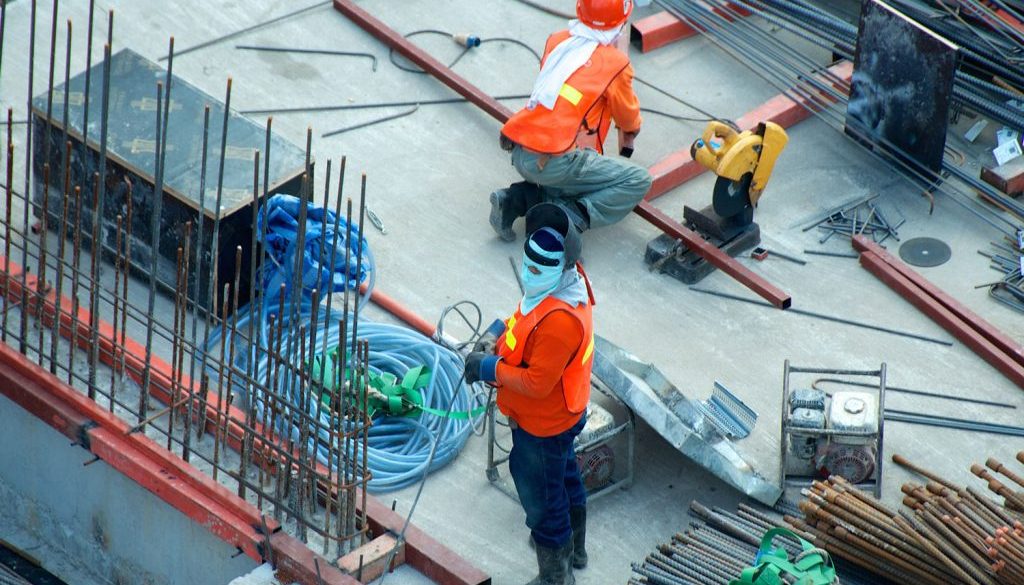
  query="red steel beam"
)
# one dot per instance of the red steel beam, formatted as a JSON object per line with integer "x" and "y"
{"x": 429, "y": 64}
{"x": 949, "y": 321}
{"x": 692, "y": 240}
{"x": 658, "y": 30}
{"x": 423, "y": 552}
{"x": 987, "y": 330}
{"x": 713, "y": 254}
{"x": 664, "y": 28}
{"x": 138, "y": 457}
{"x": 678, "y": 167}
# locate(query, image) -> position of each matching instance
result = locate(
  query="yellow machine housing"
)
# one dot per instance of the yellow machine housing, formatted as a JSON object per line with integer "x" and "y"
{"x": 736, "y": 154}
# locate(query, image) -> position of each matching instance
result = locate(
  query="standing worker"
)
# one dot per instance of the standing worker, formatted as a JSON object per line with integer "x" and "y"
{"x": 557, "y": 140}
{"x": 540, "y": 364}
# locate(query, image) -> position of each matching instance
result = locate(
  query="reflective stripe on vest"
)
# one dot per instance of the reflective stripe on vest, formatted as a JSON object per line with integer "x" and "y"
{"x": 576, "y": 377}
{"x": 554, "y": 131}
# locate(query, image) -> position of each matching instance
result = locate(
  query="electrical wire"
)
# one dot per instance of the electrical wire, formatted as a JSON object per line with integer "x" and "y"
{"x": 417, "y": 70}
{"x": 708, "y": 116}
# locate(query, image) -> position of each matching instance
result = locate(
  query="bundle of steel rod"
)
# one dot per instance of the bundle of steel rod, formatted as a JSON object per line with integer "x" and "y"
{"x": 825, "y": 93}
{"x": 717, "y": 547}
{"x": 1007, "y": 260}
{"x": 946, "y": 534}
{"x": 69, "y": 304}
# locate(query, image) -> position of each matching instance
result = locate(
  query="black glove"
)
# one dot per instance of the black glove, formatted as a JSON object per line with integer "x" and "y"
{"x": 481, "y": 367}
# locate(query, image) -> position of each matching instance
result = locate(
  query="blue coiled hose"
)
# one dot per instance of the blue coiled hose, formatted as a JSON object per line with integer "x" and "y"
{"x": 398, "y": 448}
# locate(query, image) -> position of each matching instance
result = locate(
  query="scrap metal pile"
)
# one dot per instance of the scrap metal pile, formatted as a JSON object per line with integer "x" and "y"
{"x": 945, "y": 533}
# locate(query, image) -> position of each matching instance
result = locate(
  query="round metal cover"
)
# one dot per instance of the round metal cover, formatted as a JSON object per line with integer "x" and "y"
{"x": 925, "y": 252}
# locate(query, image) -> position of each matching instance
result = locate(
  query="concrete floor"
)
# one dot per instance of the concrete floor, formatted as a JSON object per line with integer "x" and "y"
{"x": 429, "y": 175}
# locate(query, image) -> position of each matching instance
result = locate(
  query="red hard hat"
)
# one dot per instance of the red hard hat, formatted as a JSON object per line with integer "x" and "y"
{"x": 603, "y": 14}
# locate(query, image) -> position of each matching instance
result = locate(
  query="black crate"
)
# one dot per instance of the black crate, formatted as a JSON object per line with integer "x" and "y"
{"x": 131, "y": 146}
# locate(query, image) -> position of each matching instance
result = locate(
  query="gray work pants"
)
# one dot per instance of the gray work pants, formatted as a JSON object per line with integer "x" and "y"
{"x": 609, "y": 187}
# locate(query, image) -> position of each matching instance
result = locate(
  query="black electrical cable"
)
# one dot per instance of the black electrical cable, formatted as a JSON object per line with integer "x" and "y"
{"x": 413, "y": 69}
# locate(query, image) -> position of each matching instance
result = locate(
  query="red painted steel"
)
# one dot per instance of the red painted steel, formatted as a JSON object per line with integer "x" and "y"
{"x": 679, "y": 167}
{"x": 658, "y": 30}
{"x": 143, "y": 461}
{"x": 943, "y": 316}
{"x": 713, "y": 254}
{"x": 987, "y": 330}
{"x": 429, "y": 64}
{"x": 645, "y": 210}
{"x": 423, "y": 552}
{"x": 664, "y": 28}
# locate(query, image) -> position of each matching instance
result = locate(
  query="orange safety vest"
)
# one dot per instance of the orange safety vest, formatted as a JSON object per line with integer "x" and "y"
{"x": 556, "y": 131}
{"x": 575, "y": 379}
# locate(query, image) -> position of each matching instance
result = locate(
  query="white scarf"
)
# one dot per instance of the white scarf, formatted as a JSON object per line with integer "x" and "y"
{"x": 565, "y": 59}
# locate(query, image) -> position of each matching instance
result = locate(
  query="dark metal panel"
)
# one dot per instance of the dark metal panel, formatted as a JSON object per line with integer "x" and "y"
{"x": 901, "y": 89}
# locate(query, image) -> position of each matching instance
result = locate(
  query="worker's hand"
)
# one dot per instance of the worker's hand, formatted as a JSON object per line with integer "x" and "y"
{"x": 626, "y": 142}
{"x": 489, "y": 338}
{"x": 481, "y": 367}
{"x": 629, "y": 137}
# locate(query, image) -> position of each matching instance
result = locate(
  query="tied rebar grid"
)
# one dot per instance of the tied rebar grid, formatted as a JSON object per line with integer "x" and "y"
{"x": 284, "y": 438}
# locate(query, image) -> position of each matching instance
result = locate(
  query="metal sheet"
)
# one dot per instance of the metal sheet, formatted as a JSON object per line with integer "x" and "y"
{"x": 678, "y": 419}
{"x": 901, "y": 88}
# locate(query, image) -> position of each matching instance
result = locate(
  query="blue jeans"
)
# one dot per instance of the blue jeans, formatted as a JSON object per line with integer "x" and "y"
{"x": 548, "y": 482}
{"x": 608, "y": 186}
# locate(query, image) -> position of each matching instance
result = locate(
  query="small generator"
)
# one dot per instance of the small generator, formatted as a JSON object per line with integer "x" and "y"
{"x": 832, "y": 434}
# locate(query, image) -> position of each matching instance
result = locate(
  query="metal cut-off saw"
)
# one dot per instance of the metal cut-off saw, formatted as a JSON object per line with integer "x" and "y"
{"x": 743, "y": 162}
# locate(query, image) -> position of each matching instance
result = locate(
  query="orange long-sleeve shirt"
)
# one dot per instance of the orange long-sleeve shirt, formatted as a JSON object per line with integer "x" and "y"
{"x": 617, "y": 104}
{"x": 531, "y": 393}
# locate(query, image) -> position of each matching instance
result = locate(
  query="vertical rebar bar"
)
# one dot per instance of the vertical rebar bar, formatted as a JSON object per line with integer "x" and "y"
{"x": 224, "y": 304}
{"x": 175, "y": 349}
{"x": 41, "y": 286}
{"x": 76, "y": 249}
{"x": 154, "y": 253}
{"x": 22, "y": 341}
{"x": 117, "y": 288}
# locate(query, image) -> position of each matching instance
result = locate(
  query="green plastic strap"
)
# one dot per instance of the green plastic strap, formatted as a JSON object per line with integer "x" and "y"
{"x": 399, "y": 398}
{"x": 813, "y": 569}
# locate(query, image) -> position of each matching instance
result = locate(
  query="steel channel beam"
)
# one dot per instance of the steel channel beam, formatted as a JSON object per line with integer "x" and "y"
{"x": 663, "y": 28}
{"x": 423, "y": 552}
{"x": 139, "y": 458}
{"x": 693, "y": 241}
{"x": 989, "y": 331}
{"x": 951, "y": 322}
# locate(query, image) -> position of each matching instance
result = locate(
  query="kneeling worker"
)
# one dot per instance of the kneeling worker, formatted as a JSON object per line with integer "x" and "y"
{"x": 556, "y": 141}
{"x": 540, "y": 363}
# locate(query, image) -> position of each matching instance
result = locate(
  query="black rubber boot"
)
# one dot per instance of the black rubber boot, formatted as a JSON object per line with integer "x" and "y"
{"x": 578, "y": 521}
{"x": 509, "y": 204}
{"x": 555, "y": 565}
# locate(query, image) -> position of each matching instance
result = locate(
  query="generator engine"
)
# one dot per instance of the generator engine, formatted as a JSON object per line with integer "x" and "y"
{"x": 815, "y": 451}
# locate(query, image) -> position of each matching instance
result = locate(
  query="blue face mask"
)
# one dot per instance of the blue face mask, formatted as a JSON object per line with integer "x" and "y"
{"x": 538, "y": 285}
